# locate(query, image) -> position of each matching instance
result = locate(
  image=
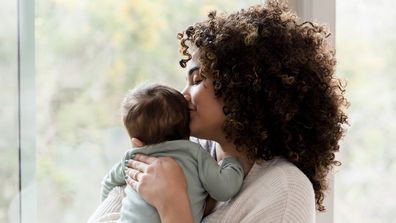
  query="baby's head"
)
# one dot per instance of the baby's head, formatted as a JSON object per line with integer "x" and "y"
{"x": 155, "y": 113}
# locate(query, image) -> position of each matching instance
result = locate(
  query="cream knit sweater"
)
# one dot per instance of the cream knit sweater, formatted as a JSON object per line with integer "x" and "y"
{"x": 274, "y": 191}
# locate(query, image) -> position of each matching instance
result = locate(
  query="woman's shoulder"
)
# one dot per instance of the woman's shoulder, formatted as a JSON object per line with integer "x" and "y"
{"x": 277, "y": 171}
{"x": 273, "y": 190}
{"x": 280, "y": 177}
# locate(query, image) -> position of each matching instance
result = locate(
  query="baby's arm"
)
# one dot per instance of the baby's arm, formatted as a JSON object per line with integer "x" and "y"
{"x": 222, "y": 182}
{"x": 116, "y": 177}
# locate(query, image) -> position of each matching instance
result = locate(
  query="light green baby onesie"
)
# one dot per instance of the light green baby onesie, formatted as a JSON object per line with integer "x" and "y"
{"x": 203, "y": 176}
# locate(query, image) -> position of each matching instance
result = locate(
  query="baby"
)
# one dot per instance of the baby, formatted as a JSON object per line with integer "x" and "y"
{"x": 159, "y": 117}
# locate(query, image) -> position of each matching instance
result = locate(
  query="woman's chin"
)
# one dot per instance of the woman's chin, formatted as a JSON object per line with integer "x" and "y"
{"x": 197, "y": 134}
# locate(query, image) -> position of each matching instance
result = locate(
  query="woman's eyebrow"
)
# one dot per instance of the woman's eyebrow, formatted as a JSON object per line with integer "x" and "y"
{"x": 192, "y": 69}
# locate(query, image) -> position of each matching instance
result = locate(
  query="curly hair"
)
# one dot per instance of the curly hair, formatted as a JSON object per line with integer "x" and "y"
{"x": 276, "y": 78}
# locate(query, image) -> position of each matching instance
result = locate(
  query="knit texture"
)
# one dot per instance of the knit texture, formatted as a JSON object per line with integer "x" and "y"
{"x": 109, "y": 210}
{"x": 274, "y": 191}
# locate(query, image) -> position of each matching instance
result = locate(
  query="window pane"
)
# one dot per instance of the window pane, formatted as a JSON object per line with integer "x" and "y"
{"x": 366, "y": 51}
{"x": 88, "y": 54}
{"x": 9, "y": 182}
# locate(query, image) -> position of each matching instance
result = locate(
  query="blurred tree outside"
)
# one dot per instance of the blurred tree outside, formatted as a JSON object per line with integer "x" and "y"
{"x": 88, "y": 54}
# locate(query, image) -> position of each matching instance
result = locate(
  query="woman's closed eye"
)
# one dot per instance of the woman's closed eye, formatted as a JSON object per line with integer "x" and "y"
{"x": 196, "y": 81}
{"x": 197, "y": 78}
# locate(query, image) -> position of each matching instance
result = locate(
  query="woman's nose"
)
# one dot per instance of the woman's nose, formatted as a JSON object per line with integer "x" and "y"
{"x": 187, "y": 96}
{"x": 185, "y": 91}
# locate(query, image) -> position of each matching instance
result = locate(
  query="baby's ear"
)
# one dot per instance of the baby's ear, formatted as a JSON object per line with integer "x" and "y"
{"x": 136, "y": 142}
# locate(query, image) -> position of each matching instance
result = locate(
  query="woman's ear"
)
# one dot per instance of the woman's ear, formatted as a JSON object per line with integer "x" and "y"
{"x": 136, "y": 142}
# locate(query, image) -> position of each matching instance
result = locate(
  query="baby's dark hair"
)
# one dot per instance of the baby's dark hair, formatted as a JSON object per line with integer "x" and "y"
{"x": 155, "y": 113}
{"x": 276, "y": 77}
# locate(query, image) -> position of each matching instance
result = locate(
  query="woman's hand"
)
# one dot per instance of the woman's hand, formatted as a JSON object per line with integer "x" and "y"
{"x": 161, "y": 182}
{"x": 151, "y": 177}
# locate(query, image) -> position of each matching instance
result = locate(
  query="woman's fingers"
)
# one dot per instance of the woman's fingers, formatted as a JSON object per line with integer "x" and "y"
{"x": 137, "y": 168}
{"x": 135, "y": 175}
{"x": 151, "y": 176}
{"x": 145, "y": 159}
{"x": 140, "y": 162}
{"x": 134, "y": 178}
{"x": 137, "y": 164}
{"x": 133, "y": 183}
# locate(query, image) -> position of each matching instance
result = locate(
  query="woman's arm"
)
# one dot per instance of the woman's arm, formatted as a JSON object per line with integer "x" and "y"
{"x": 161, "y": 182}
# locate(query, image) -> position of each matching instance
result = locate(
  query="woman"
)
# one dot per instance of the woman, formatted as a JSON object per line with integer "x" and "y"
{"x": 262, "y": 86}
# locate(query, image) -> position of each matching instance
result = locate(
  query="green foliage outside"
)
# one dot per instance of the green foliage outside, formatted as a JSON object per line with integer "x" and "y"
{"x": 89, "y": 53}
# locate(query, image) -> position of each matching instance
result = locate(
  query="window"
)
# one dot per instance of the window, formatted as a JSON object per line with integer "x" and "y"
{"x": 366, "y": 43}
{"x": 9, "y": 143}
{"x": 87, "y": 54}
{"x": 64, "y": 116}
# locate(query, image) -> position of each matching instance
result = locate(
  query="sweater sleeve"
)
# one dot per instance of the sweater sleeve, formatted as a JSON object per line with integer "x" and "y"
{"x": 221, "y": 182}
{"x": 297, "y": 207}
{"x": 290, "y": 200}
{"x": 300, "y": 207}
{"x": 109, "y": 209}
{"x": 116, "y": 177}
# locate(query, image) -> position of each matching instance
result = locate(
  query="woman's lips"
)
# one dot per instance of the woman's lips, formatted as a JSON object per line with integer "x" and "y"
{"x": 192, "y": 111}
{"x": 192, "y": 108}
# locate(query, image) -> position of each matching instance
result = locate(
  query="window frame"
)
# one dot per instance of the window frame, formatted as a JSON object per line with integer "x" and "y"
{"x": 27, "y": 207}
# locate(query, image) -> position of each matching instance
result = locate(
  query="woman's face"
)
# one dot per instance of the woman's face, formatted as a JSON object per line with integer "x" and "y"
{"x": 206, "y": 111}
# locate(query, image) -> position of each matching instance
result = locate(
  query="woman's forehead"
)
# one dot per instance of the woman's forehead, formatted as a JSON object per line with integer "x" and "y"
{"x": 193, "y": 64}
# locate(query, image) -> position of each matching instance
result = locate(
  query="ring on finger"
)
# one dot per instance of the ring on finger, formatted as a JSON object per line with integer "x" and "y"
{"x": 135, "y": 175}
